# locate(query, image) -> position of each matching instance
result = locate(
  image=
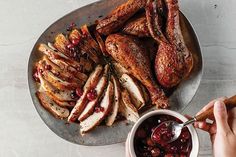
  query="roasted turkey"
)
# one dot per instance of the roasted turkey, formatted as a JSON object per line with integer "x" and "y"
{"x": 88, "y": 81}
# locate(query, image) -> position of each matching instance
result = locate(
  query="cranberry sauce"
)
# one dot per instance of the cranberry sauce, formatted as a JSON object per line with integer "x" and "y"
{"x": 144, "y": 146}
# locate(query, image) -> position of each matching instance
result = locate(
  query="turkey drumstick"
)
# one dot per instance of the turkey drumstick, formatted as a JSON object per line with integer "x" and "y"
{"x": 173, "y": 60}
{"x": 127, "y": 51}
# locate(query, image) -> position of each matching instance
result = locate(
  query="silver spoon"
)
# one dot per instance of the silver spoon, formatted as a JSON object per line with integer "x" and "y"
{"x": 176, "y": 128}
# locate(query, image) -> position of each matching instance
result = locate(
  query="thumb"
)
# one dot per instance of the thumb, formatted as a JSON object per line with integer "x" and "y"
{"x": 221, "y": 117}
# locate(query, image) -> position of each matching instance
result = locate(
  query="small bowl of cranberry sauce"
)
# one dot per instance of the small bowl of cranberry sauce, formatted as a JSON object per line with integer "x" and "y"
{"x": 141, "y": 144}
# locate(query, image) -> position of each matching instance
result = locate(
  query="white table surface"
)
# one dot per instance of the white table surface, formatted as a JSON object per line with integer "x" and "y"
{"x": 23, "y": 133}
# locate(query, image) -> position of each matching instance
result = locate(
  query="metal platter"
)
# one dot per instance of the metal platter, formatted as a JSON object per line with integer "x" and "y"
{"x": 104, "y": 135}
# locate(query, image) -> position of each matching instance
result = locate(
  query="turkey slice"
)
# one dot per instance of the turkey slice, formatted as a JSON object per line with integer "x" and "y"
{"x": 63, "y": 74}
{"x": 96, "y": 118}
{"x": 134, "y": 90}
{"x": 54, "y": 54}
{"x": 85, "y": 47}
{"x": 61, "y": 43}
{"x": 51, "y": 106}
{"x": 115, "y": 104}
{"x": 90, "y": 84}
{"x": 127, "y": 109}
{"x": 145, "y": 93}
{"x": 60, "y": 95}
{"x": 70, "y": 69}
{"x": 99, "y": 90}
{"x": 56, "y": 81}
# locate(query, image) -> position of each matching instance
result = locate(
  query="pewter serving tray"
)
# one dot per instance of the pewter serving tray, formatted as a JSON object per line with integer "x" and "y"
{"x": 104, "y": 135}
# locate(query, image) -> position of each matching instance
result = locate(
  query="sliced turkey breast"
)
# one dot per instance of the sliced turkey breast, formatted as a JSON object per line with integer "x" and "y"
{"x": 134, "y": 90}
{"x": 60, "y": 95}
{"x": 83, "y": 45}
{"x": 127, "y": 109}
{"x": 61, "y": 43}
{"x": 88, "y": 110}
{"x": 56, "y": 81}
{"x": 90, "y": 84}
{"x": 51, "y": 106}
{"x": 54, "y": 54}
{"x": 100, "y": 111}
{"x": 115, "y": 104}
{"x": 63, "y": 74}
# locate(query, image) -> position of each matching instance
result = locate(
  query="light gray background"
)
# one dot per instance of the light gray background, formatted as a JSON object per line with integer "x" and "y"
{"x": 23, "y": 133}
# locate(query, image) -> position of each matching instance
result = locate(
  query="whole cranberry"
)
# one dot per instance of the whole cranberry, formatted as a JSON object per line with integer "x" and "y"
{"x": 99, "y": 109}
{"x": 69, "y": 46}
{"x": 156, "y": 137}
{"x": 185, "y": 135}
{"x": 155, "y": 152}
{"x": 79, "y": 91}
{"x": 84, "y": 32}
{"x": 173, "y": 149}
{"x": 36, "y": 77}
{"x": 72, "y": 103}
{"x": 166, "y": 137}
{"x": 48, "y": 67}
{"x": 141, "y": 133}
{"x": 75, "y": 41}
{"x": 91, "y": 95}
{"x": 150, "y": 142}
{"x": 167, "y": 147}
{"x": 102, "y": 109}
{"x": 73, "y": 95}
{"x": 182, "y": 140}
{"x": 41, "y": 71}
{"x": 184, "y": 148}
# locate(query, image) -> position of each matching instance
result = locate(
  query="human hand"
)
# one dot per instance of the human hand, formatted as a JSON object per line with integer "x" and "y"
{"x": 223, "y": 129}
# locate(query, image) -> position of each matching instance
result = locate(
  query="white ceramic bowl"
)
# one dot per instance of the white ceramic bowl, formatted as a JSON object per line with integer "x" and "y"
{"x": 195, "y": 141}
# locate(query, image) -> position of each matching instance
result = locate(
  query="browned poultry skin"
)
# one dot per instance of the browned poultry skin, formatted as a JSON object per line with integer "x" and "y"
{"x": 115, "y": 20}
{"x": 137, "y": 26}
{"x": 175, "y": 36}
{"x": 173, "y": 60}
{"x": 127, "y": 51}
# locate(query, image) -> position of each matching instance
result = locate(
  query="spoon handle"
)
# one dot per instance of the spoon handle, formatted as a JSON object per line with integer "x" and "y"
{"x": 229, "y": 103}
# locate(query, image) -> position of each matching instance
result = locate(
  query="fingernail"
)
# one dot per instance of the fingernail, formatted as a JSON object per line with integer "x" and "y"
{"x": 196, "y": 125}
{"x": 219, "y": 106}
{"x": 200, "y": 125}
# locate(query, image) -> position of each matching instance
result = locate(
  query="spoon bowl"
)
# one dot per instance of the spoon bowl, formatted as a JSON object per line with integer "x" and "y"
{"x": 171, "y": 129}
